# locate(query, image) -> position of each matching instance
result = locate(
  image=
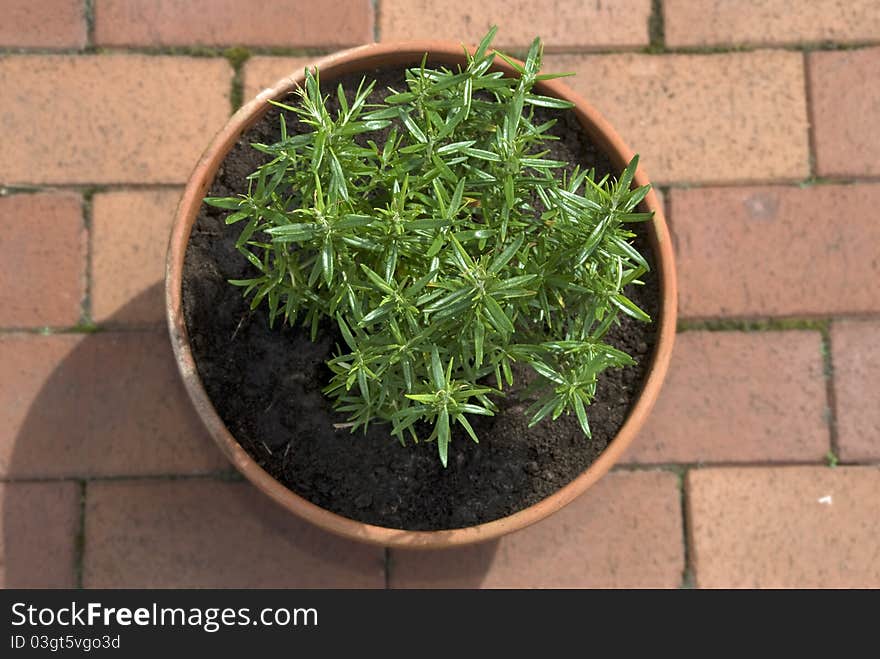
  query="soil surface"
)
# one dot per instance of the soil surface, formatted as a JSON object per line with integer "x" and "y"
{"x": 265, "y": 384}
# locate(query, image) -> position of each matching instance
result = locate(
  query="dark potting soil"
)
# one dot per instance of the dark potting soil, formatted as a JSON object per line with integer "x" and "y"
{"x": 266, "y": 383}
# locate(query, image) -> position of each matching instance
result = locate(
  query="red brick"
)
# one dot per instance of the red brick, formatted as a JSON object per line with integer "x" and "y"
{"x": 105, "y": 404}
{"x": 289, "y": 23}
{"x": 262, "y": 72}
{"x": 845, "y": 101}
{"x": 130, "y": 231}
{"x": 769, "y": 22}
{"x": 42, "y": 24}
{"x": 855, "y": 354}
{"x": 108, "y": 118}
{"x": 209, "y": 534}
{"x": 625, "y": 532}
{"x": 702, "y": 118}
{"x": 568, "y": 24}
{"x": 42, "y": 260}
{"x": 739, "y": 397}
{"x": 789, "y": 527}
{"x": 776, "y": 251}
{"x": 40, "y": 523}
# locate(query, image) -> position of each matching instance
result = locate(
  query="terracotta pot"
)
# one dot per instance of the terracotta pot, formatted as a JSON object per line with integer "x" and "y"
{"x": 396, "y": 55}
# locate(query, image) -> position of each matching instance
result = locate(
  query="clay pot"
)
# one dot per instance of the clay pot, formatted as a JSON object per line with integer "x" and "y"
{"x": 386, "y": 55}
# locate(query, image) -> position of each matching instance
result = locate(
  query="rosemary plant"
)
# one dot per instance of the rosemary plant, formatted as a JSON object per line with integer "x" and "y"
{"x": 445, "y": 253}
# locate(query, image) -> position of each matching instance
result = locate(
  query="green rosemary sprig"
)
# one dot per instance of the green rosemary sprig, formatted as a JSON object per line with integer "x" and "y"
{"x": 444, "y": 254}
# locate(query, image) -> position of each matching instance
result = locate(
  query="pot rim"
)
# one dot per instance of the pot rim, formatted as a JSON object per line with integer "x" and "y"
{"x": 366, "y": 57}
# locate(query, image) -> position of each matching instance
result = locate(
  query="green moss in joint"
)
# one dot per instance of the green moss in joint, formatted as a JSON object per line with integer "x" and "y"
{"x": 656, "y": 29}
{"x": 754, "y": 325}
{"x": 831, "y": 459}
{"x": 236, "y": 57}
{"x": 79, "y": 541}
{"x": 86, "y": 327}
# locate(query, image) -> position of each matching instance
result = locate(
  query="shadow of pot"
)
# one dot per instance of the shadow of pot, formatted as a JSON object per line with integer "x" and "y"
{"x": 396, "y": 55}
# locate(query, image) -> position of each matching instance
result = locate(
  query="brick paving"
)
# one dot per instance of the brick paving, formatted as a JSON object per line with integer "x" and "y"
{"x": 571, "y": 25}
{"x": 284, "y": 23}
{"x": 42, "y": 282}
{"x": 105, "y": 404}
{"x": 769, "y": 22}
{"x": 855, "y": 349}
{"x": 50, "y": 24}
{"x": 770, "y": 384}
{"x": 200, "y": 533}
{"x": 260, "y": 72}
{"x": 93, "y": 119}
{"x": 846, "y": 110}
{"x": 719, "y": 118}
{"x": 759, "y": 126}
{"x": 762, "y": 251}
{"x": 130, "y": 230}
{"x": 785, "y": 527}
